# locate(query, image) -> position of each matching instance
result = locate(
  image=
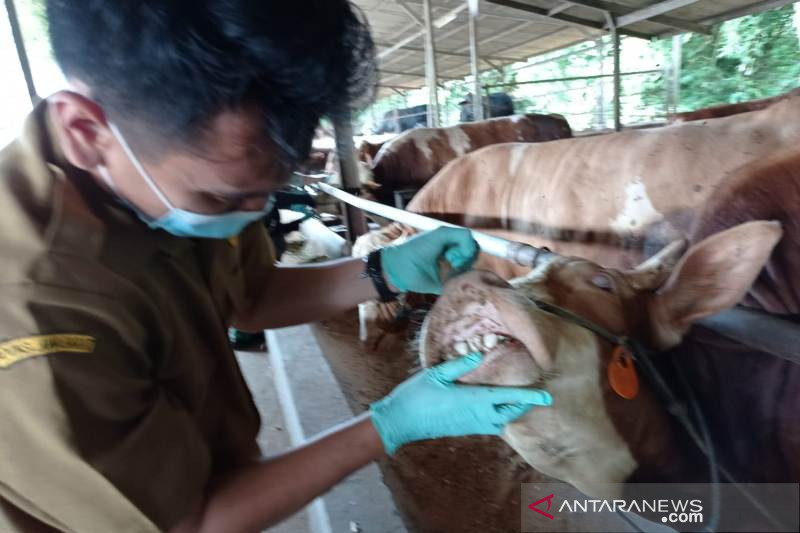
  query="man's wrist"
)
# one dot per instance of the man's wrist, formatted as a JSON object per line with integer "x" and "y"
{"x": 373, "y": 269}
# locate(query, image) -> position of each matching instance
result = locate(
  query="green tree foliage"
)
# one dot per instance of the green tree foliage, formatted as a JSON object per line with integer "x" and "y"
{"x": 743, "y": 59}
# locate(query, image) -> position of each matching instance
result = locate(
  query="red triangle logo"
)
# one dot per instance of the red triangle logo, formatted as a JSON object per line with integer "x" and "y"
{"x": 548, "y": 499}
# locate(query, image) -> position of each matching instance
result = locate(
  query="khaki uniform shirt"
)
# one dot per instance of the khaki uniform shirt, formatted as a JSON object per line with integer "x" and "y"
{"x": 120, "y": 397}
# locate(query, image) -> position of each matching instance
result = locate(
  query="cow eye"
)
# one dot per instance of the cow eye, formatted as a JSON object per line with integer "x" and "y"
{"x": 603, "y": 282}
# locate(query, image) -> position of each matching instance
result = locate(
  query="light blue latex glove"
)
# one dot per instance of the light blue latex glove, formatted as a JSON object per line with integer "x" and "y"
{"x": 413, "y": 265}
{"x": 429, "y": 405}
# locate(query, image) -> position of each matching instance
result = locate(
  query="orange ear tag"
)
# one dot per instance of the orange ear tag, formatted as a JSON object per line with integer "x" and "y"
{"x": 622, "y": 374}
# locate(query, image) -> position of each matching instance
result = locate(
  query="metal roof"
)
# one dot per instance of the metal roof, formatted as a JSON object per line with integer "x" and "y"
{"x": 515, "y": 30}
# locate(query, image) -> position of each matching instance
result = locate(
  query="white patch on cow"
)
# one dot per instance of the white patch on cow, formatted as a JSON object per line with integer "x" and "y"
{"x": 638, "y": 212}
{"x": 459, "y": 140}
{"x": 364, "y": 173}
{"x": 575, "y": 439}
{"x": 422, "y": 137}
{"x": 516, "y": 118}
{"x": 515, "y": 158}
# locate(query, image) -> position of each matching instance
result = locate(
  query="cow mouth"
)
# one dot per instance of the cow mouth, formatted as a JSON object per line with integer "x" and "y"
{"x": 507, "y": 359}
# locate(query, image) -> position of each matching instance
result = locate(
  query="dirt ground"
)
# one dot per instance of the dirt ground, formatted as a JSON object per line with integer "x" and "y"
{"x": 462, "y": 485}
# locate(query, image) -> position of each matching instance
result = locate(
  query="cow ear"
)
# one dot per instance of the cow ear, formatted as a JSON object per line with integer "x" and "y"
{"x": 652, "y": 274}
{"x": 713, "y": 276}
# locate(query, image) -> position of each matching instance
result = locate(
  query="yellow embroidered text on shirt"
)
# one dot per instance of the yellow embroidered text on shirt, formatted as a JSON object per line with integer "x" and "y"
{"x": 16, "y": 350}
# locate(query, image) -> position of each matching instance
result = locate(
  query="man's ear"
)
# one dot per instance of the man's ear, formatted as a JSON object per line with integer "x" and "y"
{"x": 82, "y": 128}
{"x": 713, "y": 276}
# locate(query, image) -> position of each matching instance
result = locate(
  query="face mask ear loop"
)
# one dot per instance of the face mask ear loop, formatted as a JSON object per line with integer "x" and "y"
{"x": 107, "y": 177}
{"x": 135, "y": 160}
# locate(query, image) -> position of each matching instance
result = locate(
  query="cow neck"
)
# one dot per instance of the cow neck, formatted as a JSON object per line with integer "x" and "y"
{"x": 660, "y": 444}
{"x": 656, "y": 441}
{"x": 747, "y": 397}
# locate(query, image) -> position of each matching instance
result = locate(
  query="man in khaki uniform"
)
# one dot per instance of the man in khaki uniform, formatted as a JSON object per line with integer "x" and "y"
{"x": 130, "y": 242}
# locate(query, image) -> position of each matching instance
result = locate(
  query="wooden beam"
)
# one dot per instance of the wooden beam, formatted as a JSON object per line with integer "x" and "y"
{"x": 568, "y": 19}
{"x": 501, "y": 16}
{"x": 397, "y": 88}
{"x": 454, "y": 53}
{"x": 440, "y": 36}
{"x": 498, "y": 68}
{"x": 538, "y": 37}
{"x": 619, "y": 10}
{"x": 506, "y": 31}
{"x": 556, "y": 58}
{"x": 420, "y": 74}
{"x": 652, "y": 11}
{"x": 563, "y": 6}
{"x": 410, "y": 12}
{"x": 416, "y": 35}
{"x": 534, "y": 39}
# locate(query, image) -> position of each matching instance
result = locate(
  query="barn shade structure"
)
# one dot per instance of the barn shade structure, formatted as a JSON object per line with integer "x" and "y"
{"x": 508, "y": 31}
{"x": 422, "y": 43}
{"x": 425, "y": 42}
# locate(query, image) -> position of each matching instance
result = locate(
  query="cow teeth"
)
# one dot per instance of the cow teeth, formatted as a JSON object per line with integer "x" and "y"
{"x": 490, "y": 340}
{"x": 461, "y": 348}
{"x": 474, "y": 344}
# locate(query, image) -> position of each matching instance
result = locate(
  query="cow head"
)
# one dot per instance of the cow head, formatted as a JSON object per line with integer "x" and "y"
{"x": 591, "y": 437}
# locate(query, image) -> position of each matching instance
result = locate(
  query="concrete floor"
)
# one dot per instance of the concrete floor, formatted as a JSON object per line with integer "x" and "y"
{"x": 273, "y": 437}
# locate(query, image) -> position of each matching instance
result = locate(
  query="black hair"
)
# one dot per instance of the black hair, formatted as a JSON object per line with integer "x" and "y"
{"x": 173, "y": 65}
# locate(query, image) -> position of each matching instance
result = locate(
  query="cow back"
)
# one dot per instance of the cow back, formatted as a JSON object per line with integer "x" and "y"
{"x": 614, "y": 198}
{"x": 414, "y": 157}
{"x": 764, "y": 190}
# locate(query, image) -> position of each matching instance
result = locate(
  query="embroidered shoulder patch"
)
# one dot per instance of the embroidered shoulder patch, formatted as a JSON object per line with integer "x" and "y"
{"x": 16, "y": 350}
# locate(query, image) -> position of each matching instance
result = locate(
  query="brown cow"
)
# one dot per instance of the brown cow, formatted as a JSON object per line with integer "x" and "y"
{"x": 725, "y": 110}
{"x": 769, "y": 190}
{"x": 749, "y": 398}
{"x": 409, "y": 160}
{"x": 592, "y": 435}
{"x": 367, "y": 151}
{"x": 613, "y": 198}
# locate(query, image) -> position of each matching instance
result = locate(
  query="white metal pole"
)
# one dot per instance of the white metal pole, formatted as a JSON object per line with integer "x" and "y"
{"x": 518, "y": 252}
{"x": 677, "y": 53}
{"x": 617, "y": 82}
{"x": 430, "y": 68}
{"x": 477, "y": 90}
{"x": 601, "y": 121}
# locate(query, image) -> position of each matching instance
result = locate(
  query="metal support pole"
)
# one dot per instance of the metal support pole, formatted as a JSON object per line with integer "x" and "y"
{"x": 477, "y": 93}
{"x": 617, "y": 81}
{"x": 430, "y": 68}
{"x": 22, "y": 54}
{"x": 601, "y": 121}
{"x": 348, "y": 169}
{"x": 677, "y": 53}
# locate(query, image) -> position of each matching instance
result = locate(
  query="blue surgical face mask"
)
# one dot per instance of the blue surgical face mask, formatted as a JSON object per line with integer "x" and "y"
{"x": 179, "y": 221}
